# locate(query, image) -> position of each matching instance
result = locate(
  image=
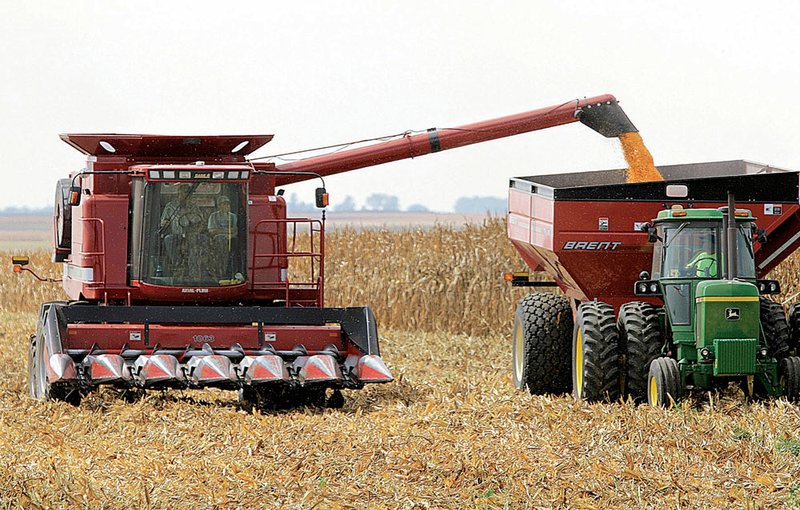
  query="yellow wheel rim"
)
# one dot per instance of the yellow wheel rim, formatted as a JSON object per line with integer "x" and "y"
{"x": 578, "y": 364}
{"x": 654, "y": 392}
{"x": 519, "y": 352}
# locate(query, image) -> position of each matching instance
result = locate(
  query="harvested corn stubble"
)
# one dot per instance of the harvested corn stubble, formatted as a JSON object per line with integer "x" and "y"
{"x": 449, "y": 433}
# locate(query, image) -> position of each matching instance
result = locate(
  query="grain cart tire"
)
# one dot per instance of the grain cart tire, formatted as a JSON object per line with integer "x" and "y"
{"x": 540, "y": 350}
{"x": 789, "y": 370}
{"x": 595, "y": 353}
{"x": 39, "y": 387}
{"x": 794, "y": 325}
{"x": 640, "y": 342}
{"x": 664, "y": 383}
{"x": 776, "y": 329}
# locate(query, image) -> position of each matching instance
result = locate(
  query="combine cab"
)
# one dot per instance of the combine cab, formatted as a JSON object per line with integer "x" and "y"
{"x": 663, "y": 281}
{"x": 184, "y": 271}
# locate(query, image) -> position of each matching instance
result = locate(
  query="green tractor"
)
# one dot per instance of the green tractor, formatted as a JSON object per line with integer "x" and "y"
{"x": 716, "y": 325}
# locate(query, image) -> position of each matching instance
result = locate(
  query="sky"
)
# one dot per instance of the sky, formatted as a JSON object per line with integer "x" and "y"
{"x": 703, "y": 81}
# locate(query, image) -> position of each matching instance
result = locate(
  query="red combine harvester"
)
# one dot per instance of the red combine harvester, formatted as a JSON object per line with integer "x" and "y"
{"x": 593, "y": 235}
{"x": 184, "y": 270}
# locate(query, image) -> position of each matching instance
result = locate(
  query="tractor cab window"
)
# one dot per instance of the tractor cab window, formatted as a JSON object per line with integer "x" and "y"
{"x": 690, "y": 251}
{"x": 745, "y": 263}
{"x": 193, "y": 234}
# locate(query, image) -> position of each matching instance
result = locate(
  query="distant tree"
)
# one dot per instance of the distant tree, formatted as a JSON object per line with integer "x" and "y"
{"x": 417, "y": 208}
{"x": 296, "y": 205}
{"x": 24, "y": 210}
{"x": 479, "y": 205}
{"x": 346, "y": 205}
{"x": 382, "y": 202}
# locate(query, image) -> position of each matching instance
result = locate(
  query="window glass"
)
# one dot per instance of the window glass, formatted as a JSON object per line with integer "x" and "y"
{"x": 690, "y": 252}
{"x": 678, "y": 303}
{"x": 193, "y": 234}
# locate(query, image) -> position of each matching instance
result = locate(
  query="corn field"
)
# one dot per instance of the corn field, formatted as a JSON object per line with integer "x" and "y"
{"x": 450, "y": 432}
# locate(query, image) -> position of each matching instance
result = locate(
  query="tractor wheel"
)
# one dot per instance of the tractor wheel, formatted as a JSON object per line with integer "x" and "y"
{"x": 595, "y": 353}
{"x": 794, "y": 325}
{"x": 641, "y": 342}
{"x": 776, "y": 329}
{"x": 664, "y": 383}
{"x": 540, "y": 350}
{"x": 789, "y": 370}
{"x": 38, "y": 385}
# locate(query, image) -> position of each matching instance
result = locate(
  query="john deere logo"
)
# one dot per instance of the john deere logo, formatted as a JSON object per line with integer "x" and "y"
{"x": 732, "y": 314}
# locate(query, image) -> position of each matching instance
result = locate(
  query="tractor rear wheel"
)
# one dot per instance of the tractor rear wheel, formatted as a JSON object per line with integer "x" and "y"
{"x": 794, "y": 325}
{"x": 595, "y": 353}
{"x": 776, "y": 329}
{"x": 641, "y": 342}
{"x": 664, "y": 383}
{"x": 789, "y": 370}
{"x": 540, "y": 350}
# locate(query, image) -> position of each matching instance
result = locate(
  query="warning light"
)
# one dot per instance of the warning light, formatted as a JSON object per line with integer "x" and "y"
{"x": 677, "y": 214}
{"x": 508, "y": 276}
{"x": 17, "y": 269}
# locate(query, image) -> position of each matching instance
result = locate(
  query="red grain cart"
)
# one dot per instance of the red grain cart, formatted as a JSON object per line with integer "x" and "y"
{"x": 584, "y": 233}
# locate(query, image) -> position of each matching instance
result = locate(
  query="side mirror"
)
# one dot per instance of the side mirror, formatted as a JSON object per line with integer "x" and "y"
{"x": 761, "y": 236}
{"x": 322, "y": 198}
{"x": 74, "y": 197}
{"x": 652, "y": 234}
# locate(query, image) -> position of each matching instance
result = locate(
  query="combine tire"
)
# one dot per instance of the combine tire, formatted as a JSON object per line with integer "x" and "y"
{"x": 540, "y": 350}
{"x": 275, "y": 398}
{"x": 595, "y": 353}
{"x": 641, "y": 342}
{"x": 38, "y": 385}
{"x": 664, "y": 383}
{"x": 789, "y": 370}
{"x": 776, "y": 329}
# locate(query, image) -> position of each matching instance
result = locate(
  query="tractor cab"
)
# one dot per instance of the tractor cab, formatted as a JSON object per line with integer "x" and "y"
{"x": 689, "y": 249}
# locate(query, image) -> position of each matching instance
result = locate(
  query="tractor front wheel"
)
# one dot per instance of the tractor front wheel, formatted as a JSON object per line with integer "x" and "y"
{"x": 663, "y": 383}
{"x": 540, "y": 349}
{"x": 789, "y": 370}
{"x": 595, "y": 353}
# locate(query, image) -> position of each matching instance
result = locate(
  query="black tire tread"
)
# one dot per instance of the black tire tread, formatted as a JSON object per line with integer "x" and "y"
{"x": 776, "y": 328}
{"x": 641, "y": 342}
{"x": 600, "y": 352}
{"x": 668, "y": 381}
{"x": 790, "y": 375}
{"x": 547, "y": 329}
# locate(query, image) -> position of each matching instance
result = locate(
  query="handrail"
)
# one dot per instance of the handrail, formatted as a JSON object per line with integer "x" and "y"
{"x": 316, "y": 227}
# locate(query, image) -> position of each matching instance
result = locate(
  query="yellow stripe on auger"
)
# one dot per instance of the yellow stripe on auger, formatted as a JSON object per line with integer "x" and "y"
{"x": 727, "y": 299}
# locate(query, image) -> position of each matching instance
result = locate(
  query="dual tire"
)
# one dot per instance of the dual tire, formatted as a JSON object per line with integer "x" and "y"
{"x": 544, "y": 337}
{"x": 595, "y": 353}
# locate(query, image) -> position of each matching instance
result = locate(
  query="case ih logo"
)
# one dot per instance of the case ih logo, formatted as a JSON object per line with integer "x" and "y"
{"x": 732, "y": 314}
{"x": 594, "y": 245}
